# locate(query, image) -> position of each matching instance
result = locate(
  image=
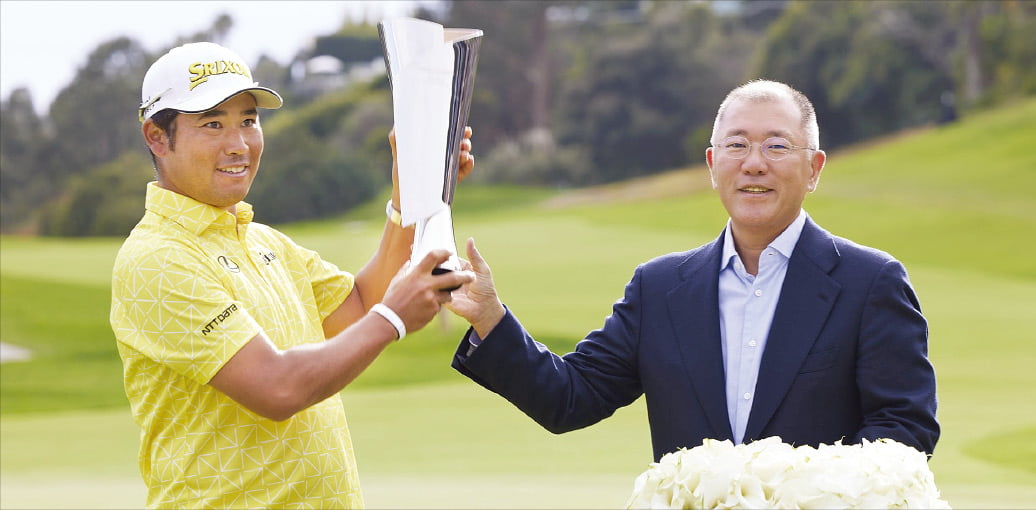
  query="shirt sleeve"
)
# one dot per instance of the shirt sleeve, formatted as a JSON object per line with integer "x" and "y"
{"x": 174, "y": 309}
{"x": 330, "y": 284}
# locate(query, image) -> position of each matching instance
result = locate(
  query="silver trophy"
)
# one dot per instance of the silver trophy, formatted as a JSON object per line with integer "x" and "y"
{"x": 431, "y": 72}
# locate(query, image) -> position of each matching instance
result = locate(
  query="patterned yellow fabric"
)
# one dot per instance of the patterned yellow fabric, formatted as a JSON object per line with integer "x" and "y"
{"x": 191, "y": 285}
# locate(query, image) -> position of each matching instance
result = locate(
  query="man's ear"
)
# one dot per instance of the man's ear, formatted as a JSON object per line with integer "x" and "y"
{"x": 708, "y": 161}
{"x": 155, "y": 137}
{"x": 816, "y": 166}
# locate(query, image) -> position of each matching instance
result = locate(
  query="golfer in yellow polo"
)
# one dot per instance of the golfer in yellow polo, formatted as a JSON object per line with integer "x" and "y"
{"x": 235, "y": 340}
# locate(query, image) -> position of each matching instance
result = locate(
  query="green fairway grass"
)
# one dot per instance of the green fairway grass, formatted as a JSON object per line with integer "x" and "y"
{"x": 445, "y": 445}
{"x": 953, "y": 203}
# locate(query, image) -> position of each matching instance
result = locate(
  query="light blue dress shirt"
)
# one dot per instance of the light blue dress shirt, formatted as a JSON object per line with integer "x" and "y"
{"x": 746, "y": 306}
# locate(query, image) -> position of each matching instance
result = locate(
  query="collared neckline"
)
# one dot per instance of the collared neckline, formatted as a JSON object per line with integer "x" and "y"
{"x": 191, "y": 214}
{"x": 784, "y": 243}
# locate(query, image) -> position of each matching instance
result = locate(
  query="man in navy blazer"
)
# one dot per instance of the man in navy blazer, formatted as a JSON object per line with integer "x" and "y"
{"x": 776, "y": 328}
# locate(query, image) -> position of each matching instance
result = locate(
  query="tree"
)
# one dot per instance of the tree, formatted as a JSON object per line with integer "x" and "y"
{"x": 94, "y": 118}
{"x": 1004, "y": 57}
{"x": 326, "y": 158}
{"x": 107, "y": 200}
{"x": 865, "y": 76}
{"x": 22, "y": 134}
{"x": 640, "y": 91}
{"x": 513, "y": 78}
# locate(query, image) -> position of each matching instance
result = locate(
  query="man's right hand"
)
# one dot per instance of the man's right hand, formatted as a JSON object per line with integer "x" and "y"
{"x": 477, "y": 302}
{"x": 416, "y": 295}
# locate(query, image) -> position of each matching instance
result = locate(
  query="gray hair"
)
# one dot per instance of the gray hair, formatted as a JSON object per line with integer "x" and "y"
{"x": 765, "y": 91}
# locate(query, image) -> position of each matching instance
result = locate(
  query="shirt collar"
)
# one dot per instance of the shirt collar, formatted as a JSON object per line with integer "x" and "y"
{"x": 784, "y": 243}
{"x": 191, "y": 214}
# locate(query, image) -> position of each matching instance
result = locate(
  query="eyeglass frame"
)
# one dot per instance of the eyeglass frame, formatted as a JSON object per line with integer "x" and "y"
{"x": 722, "y": 147}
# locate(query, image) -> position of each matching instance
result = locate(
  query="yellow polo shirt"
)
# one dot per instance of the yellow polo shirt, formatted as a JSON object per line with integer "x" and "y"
{"x": 191, "y": 285}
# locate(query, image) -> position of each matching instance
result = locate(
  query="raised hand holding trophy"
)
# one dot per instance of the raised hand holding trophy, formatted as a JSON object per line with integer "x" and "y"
{"x": 431, "y": 72}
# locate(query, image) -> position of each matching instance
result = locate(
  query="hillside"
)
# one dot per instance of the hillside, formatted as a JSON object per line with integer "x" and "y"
{"x": 952, "y": 202}
{"x": 908, "y": 192}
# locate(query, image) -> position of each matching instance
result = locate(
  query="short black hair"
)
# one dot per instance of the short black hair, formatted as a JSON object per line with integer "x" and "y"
{"x": 166, "y": 121}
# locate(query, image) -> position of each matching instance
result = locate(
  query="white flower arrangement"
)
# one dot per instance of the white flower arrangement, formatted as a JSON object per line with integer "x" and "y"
{"x": 772, "y": 474}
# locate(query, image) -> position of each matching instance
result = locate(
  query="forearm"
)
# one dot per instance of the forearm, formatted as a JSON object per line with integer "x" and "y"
{"x": 393, "y": 251}
{"x": 318, "y": 371}
{"x": 561, "y": 393}
{"x": 277, "y": 383}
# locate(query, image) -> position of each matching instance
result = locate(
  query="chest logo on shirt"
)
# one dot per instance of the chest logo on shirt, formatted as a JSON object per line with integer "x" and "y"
{"x": 229, "y": 264}
{"x": 267, "y": 256}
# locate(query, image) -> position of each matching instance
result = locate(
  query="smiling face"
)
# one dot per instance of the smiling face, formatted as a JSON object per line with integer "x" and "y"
{"x": 216, "y": 154}
{"x": 763, "y": 196}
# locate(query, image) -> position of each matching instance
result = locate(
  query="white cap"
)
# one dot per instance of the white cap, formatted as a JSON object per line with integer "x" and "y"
{"x": 196, "y": 77}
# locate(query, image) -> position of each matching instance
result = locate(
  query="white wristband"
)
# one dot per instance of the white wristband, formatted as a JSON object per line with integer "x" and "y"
{"x": 392, "y": 318}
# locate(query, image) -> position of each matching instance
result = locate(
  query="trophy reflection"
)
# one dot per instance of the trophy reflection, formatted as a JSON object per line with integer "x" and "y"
{"x": 431, "y": 71}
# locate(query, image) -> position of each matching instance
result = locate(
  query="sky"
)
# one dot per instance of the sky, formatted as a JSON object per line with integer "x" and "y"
{"x": 44, "y": 43}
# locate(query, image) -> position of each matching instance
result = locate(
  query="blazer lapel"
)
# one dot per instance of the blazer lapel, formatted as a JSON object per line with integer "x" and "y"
{"x": 805, "y": 302}
{"x": 694, "y": 313}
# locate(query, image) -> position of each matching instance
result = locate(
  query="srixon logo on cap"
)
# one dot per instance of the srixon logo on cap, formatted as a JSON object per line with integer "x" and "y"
{"x": 200, "y": 72}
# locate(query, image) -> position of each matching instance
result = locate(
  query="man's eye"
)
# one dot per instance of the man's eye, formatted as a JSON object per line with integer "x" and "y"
{"x": 250, "y": 122}
{"x": 213, "y": 124}
{"x": 735, "y": 145}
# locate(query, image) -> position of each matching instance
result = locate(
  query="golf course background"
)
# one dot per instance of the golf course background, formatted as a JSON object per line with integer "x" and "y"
{"x": 955, "y": 203}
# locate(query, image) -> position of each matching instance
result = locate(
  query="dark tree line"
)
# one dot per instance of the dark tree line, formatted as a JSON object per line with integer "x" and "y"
{"x": 568, "y": 93}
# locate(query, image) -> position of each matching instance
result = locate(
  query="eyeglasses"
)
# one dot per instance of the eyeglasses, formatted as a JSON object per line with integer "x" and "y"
{"x": 774, "y": 149}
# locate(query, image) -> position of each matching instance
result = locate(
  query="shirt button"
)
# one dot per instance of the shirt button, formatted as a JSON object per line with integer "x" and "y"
{"x": 747, "y": 396}
{"x": 758, "y": 293}
{"x": 751, "y": 343}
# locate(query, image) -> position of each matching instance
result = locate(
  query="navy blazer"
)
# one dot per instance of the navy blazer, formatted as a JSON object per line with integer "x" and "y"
{"x": 846, "y": 357}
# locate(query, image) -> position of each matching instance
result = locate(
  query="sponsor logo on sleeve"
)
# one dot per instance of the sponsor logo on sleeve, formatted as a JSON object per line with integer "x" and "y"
{"x": 218, "y": 319}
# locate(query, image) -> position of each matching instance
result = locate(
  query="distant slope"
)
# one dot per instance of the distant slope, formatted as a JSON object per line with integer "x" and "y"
{"x": 959, "y": 195}
{"x": 989, "y": 157}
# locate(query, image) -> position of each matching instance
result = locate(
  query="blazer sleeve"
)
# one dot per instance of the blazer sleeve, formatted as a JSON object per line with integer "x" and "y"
{"x": 561, "y": 393}
{"x": 895, "y": 378}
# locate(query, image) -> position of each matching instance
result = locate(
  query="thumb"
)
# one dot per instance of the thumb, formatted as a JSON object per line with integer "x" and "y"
{"x": 478, "y": 263}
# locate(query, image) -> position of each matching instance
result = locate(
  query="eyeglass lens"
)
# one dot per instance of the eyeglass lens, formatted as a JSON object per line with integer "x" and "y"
{"x": 774, "y": 149}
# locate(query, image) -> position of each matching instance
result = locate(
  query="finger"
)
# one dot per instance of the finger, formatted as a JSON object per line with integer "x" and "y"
{"x": 465, "y": 167}
{"x": 478, "y": 263}
{"x": 430, "y": 260}
{"x": 465, "y": 265}
{"x": 467, "y": 131}
{"x": 454, "y": 279}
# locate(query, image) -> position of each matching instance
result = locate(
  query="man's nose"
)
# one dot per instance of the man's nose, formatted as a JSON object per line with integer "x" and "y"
{"x": 755, "y": 162}
{"x": 236, "y": 143}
